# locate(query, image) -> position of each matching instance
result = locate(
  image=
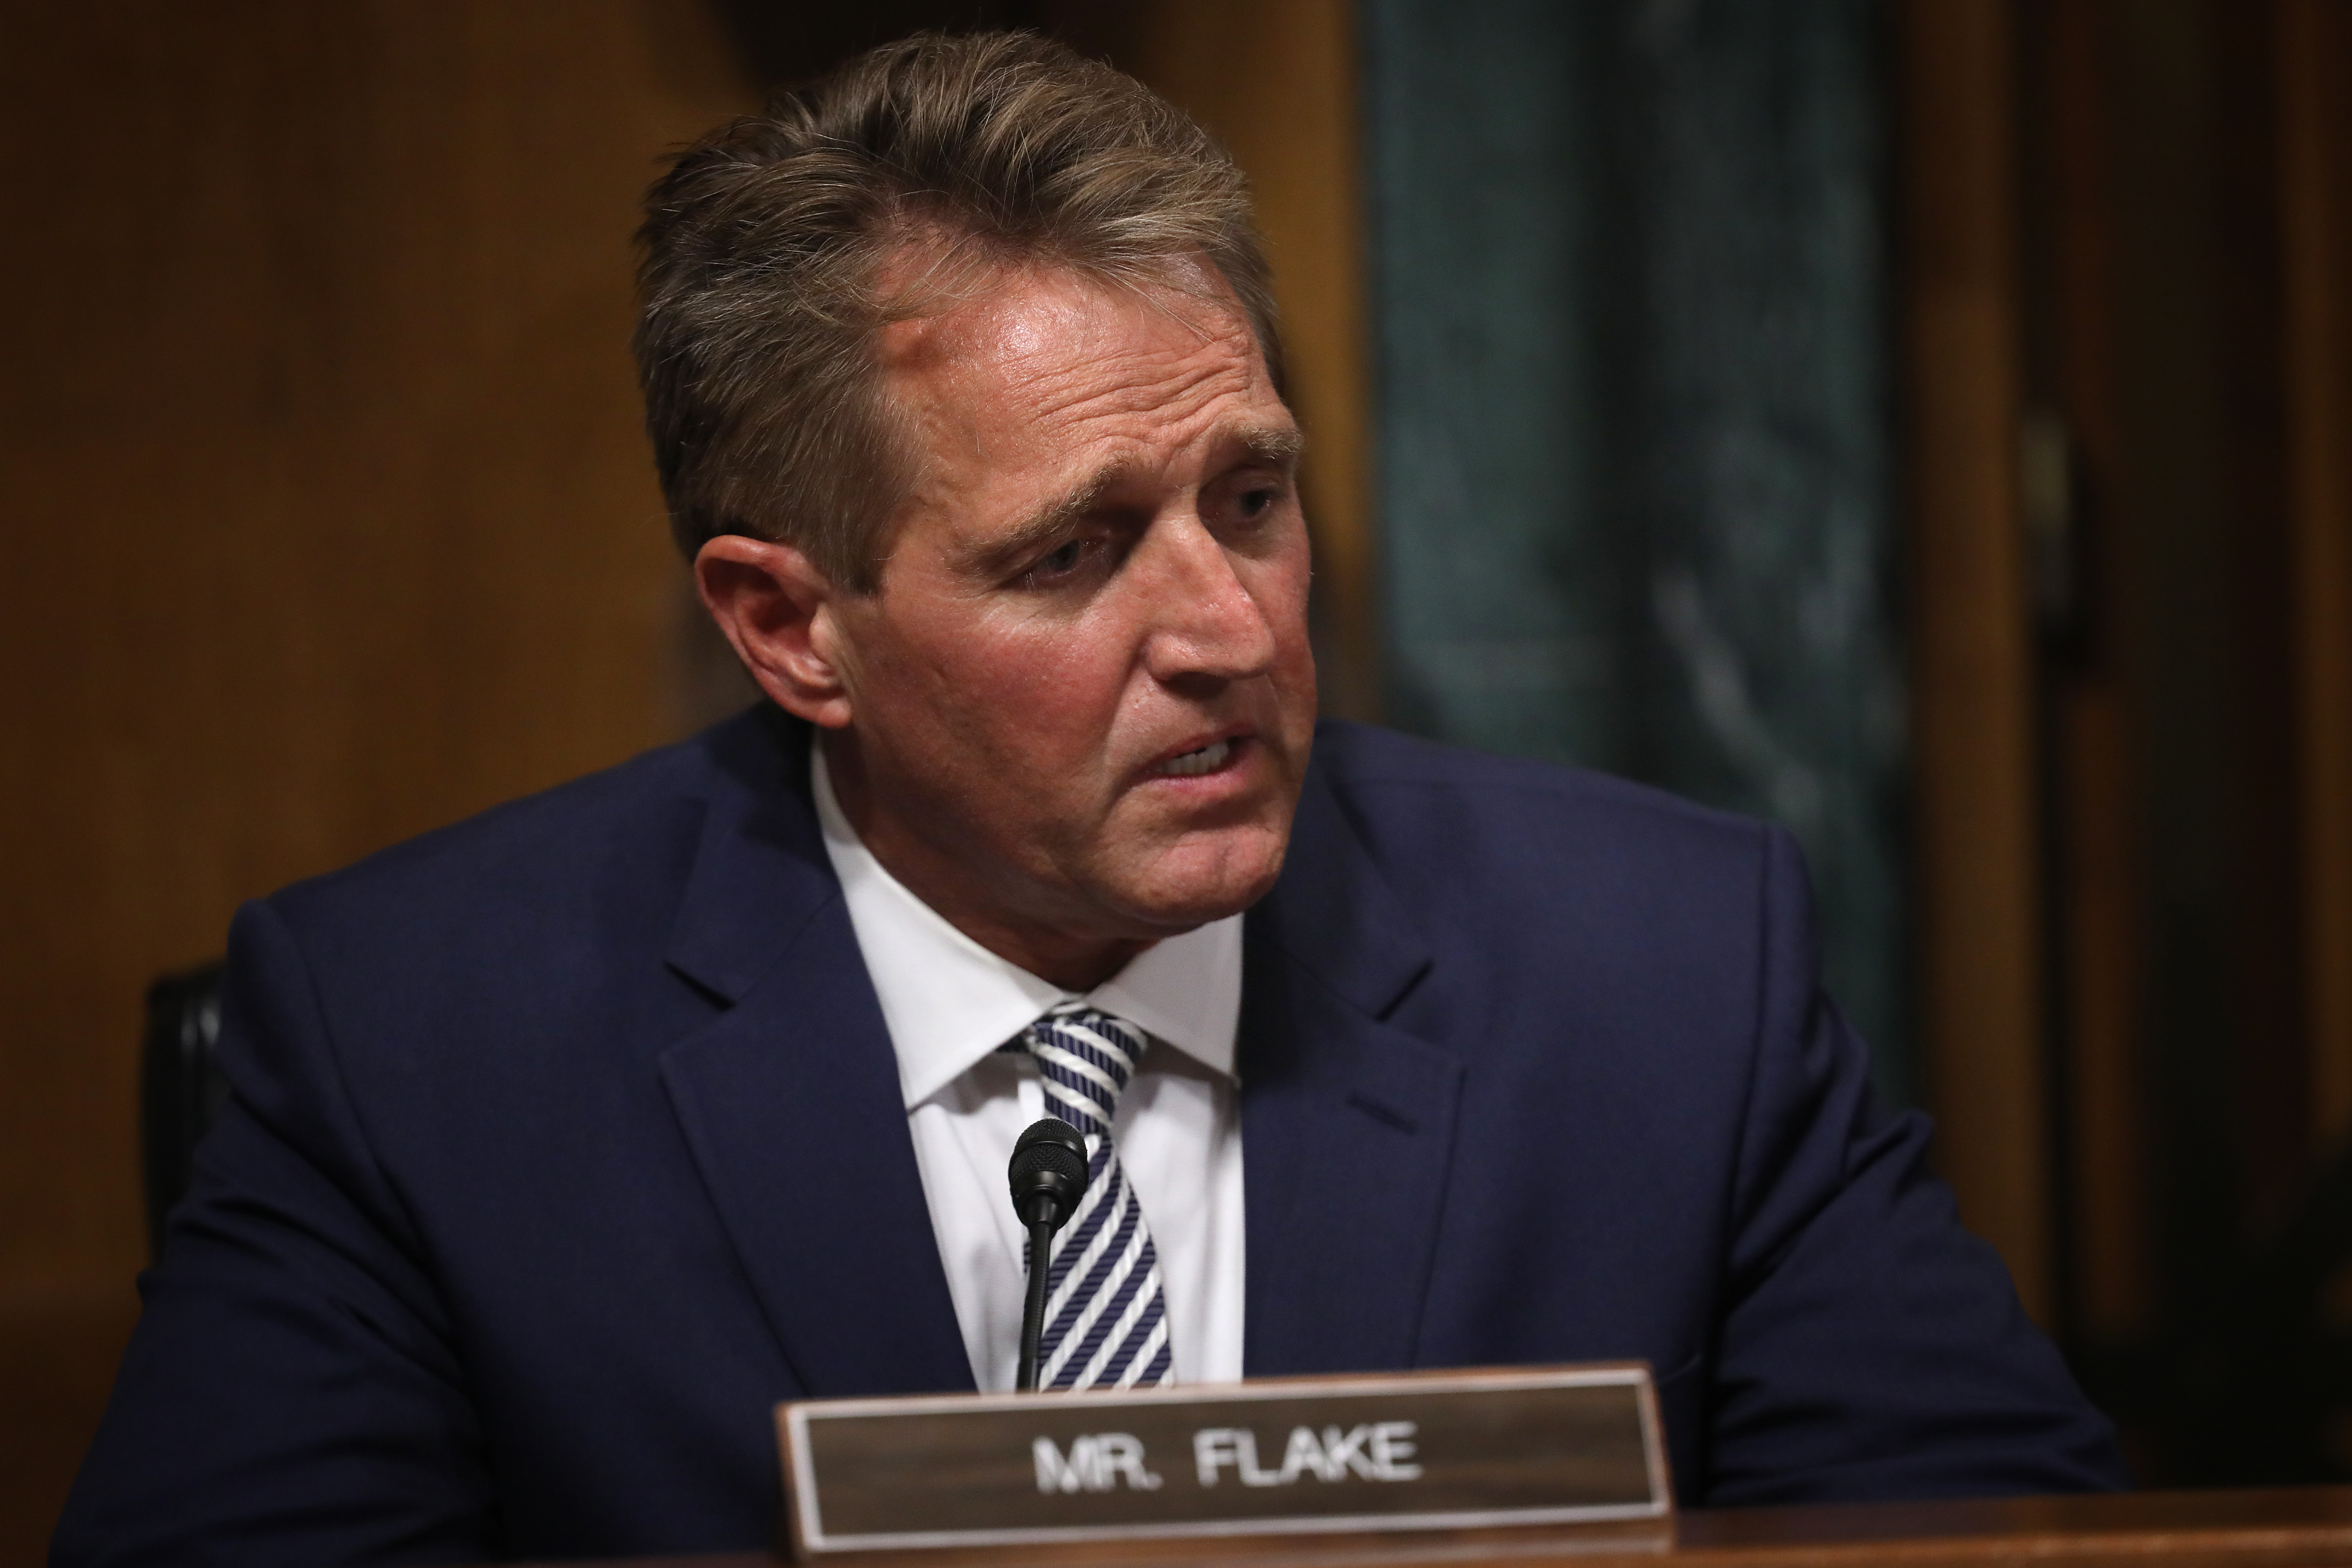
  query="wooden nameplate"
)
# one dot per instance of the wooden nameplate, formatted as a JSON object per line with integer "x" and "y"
{"x": 1570, "y": 1447}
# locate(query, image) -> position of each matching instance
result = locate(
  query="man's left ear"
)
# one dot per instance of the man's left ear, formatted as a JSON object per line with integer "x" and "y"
{"x": 777, "y": 609}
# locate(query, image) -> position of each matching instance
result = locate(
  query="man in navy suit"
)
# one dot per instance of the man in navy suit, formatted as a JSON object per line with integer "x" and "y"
{"x": 568, "y": 1141}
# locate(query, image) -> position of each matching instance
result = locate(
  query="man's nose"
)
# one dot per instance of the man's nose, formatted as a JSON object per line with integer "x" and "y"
{"x": 1204, "y": 622}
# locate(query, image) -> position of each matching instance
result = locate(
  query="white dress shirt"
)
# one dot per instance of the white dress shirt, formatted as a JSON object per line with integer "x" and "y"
{"x": 950, "y": 1002}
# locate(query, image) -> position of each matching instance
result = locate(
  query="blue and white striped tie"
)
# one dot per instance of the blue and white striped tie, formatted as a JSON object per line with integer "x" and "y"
{"x": 1105, "y": 1314}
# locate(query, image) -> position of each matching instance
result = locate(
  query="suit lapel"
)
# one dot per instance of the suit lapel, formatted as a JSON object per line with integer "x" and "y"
{"x": 789, "y": 1097}
{"x": 790, "y": 1105}
{"x": 1347, "y": 1120}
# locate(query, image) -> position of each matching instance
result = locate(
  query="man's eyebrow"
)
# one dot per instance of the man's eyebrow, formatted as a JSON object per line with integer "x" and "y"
{"x": 1045, "y": 524}
{"x": 1278, "y": 445}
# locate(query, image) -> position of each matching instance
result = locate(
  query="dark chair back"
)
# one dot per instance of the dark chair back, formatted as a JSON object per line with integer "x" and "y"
{"x": 181, "y": 1090}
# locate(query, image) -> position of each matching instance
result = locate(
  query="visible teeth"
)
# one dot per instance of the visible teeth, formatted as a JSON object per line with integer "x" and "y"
{"x": 1191, "y": 764}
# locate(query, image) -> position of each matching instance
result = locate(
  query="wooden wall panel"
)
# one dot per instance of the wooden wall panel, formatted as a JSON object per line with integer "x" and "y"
{"x": 2090, "y": 724}
{"x": 2314, "y": 62}
{"x": 2187, "y": 164}
{"x": 328, "y": 521}
{"x": 1981, "y": 981}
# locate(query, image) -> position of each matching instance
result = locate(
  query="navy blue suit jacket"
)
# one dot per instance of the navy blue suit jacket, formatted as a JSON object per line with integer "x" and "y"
{"x": 568, "y": 1141}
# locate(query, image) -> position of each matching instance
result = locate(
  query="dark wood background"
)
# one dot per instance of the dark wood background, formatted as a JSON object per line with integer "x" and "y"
{"x": 2129, "y": 262}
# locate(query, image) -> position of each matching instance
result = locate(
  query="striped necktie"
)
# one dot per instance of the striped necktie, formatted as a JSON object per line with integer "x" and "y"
{"x": 1106, "y": 1314}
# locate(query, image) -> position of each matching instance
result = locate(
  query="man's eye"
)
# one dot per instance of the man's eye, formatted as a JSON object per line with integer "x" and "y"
{"x": 1064, "y": 560}
{"x": 1256, "y": 503}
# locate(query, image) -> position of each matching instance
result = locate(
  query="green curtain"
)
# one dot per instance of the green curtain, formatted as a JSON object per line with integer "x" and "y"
{"x": 1630, "y": 316}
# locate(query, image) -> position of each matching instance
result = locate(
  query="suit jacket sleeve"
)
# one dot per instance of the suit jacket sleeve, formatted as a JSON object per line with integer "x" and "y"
{"x": 293, "y": 1392}
{"x": 1869, "y": 1346}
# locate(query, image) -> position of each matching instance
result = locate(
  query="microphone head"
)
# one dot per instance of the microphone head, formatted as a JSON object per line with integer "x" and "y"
{"x": 1048, "y": 1172}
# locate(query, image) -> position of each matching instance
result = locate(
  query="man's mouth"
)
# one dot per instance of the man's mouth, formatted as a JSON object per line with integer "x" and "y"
{"x": 1191, "y": 765}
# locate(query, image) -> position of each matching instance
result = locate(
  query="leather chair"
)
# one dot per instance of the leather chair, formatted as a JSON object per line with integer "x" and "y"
{"x": 181, "y": 1090}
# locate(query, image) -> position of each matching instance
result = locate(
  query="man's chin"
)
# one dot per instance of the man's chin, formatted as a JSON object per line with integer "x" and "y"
{"x": 1189, "y": 888}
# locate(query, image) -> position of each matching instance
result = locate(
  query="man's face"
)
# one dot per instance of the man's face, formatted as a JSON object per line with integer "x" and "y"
{"x": 1082, "y": 699}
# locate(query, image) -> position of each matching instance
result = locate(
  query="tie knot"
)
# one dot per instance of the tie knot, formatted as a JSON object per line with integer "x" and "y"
{"x": 1085, "y": 1056}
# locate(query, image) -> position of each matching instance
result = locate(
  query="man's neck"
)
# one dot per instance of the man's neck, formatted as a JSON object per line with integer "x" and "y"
{"x": 1073, "y": 962}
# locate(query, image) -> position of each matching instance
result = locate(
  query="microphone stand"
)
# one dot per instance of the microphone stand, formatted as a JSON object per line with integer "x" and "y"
{"x": 1048, "y": 1176}
{"x": 1033, "y": 1315}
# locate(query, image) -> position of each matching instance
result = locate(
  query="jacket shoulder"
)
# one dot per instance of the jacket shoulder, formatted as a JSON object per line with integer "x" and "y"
{"x": 1529, "y": 873}
{"x": 1389, "y": 782}
{"x": 566, "y": 848}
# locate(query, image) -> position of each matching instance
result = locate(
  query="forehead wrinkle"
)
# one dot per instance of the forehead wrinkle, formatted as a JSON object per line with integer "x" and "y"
{"x": 1202, "y": 347}
{"x": 1148, "y": 375}
{"x": 1177, "y": 392}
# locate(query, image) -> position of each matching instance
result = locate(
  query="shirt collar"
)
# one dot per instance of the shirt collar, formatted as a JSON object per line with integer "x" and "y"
{"x": 948, "y": 1002}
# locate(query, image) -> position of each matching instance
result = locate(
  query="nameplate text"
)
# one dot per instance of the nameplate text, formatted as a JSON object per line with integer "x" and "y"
{"x": 1442, "y": 1450}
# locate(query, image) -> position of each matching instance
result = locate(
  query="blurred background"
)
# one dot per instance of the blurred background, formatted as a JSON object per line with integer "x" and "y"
{"x": 1922, "y": 422}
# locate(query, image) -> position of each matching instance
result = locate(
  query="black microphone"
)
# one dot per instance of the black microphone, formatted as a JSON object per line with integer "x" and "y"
{"x": 1048, "y": 1174}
